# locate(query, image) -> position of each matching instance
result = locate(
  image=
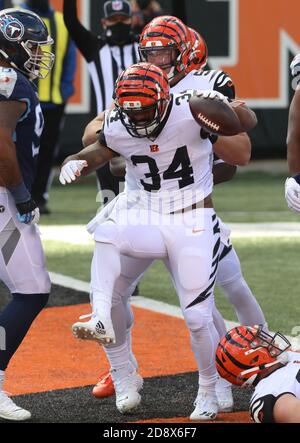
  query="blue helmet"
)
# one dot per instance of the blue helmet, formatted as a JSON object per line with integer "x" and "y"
{"x": 22, "y": 37}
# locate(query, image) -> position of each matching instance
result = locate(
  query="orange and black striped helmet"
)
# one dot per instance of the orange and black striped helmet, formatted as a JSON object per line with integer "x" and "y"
{"x": 142, "y": 95}
{"x": 199, "y": 51}
{"x": 166, "y": 33}
{"x": 246, "y": 351}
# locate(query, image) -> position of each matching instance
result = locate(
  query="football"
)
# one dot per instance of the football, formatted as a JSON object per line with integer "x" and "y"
{"x": 215, "y": 116}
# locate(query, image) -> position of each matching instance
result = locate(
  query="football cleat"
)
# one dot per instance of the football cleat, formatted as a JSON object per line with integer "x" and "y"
{"x": 206, "y": 406}
{"x": 224, "y": 395}
{"x": 105, "y": 386}
{"x": 10, "y": 411}
{"x": 95, "y": 329}
{"x": 128, "y": 383}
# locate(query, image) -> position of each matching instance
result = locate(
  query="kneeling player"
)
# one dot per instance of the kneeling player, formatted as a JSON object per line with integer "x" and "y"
{"x": 248, "y": 356}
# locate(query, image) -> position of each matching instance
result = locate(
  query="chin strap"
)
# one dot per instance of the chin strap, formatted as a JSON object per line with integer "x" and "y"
{"x": 282, "y": 358}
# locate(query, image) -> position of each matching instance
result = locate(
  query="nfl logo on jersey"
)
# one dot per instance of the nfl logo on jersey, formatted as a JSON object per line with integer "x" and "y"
{"x": 154, "y": 148}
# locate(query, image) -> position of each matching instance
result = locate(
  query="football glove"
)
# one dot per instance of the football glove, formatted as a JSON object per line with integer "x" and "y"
{"x": 292, "y": 194}
{"x": 213, "y": 95}
{"x": 295, "y": 65}
{"x": 28, "y": 212}
{"x": 71, "y": 170}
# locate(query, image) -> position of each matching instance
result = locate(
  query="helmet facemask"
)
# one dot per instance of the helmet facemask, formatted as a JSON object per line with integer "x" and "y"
{"x": 40, "y": 61}
{"x": 247, "y": 352}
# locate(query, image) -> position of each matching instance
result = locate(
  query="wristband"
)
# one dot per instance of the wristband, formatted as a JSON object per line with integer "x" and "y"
{"x": 20, "y": 193}
{"x": 297, "y": 178}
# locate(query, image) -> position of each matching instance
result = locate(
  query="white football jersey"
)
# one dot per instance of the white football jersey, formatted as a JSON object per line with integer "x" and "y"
{"x": 283, "y": 381}
{"x": 198, "y": 80}
{"x": 176, "y": 167}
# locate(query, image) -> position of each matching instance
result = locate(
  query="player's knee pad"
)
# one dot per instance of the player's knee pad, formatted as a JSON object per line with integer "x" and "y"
{"x": 189, "y": 260}
{"x": 198, "y": 317}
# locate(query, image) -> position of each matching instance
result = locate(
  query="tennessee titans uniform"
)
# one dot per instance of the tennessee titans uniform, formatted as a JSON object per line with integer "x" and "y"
{"x": 285, "y": 380}
{"x": 22, "y": 262}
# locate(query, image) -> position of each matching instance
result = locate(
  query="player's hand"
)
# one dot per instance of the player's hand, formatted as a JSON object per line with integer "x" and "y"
{"x": 292, "y": 194}
{"x": 213, "y": 95}
{"x": 28, "y": 212}
{"x": 71, "y": 171}
{"x": 295, "y": 65}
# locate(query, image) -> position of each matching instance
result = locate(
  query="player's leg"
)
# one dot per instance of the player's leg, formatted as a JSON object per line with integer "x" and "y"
{"x": 23, "y": 270}
{"x": 193, "y": 261}
{"x": 236, "y": 289}
{"x": 127, "y": 381}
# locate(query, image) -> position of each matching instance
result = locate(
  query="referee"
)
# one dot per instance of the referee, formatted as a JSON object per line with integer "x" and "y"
{"x": 107, "y": 56}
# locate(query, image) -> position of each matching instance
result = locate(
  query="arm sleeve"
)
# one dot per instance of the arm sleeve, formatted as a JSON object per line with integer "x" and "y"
{"x": 225, "y": 85}
{"x": 85, "y": 40}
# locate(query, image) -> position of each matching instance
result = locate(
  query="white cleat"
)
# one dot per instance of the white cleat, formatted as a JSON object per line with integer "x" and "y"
{"x": 10, "y": 411}
{"x": 206, "y": 406}
{"x": 224, "y": 395}
{"x": 127, "y": 390}
{"x": 95, "y": 329}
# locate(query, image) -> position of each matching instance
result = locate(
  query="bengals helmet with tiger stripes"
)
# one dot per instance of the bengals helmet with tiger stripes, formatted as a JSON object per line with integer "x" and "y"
{"x": 246, "y": 351}
{"x": 199, "y": 51}
{"x": 142, "y": 95}
{"x": 167, "y": 38}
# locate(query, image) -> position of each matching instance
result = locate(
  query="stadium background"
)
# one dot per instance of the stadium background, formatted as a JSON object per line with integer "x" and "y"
{"x": 253, "y": 41}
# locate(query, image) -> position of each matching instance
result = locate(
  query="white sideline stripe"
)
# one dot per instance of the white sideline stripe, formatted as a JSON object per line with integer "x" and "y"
{"x": 142, "y": 302}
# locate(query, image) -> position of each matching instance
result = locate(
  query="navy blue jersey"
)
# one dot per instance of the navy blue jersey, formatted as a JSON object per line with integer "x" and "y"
{"x": 14, "y": 86}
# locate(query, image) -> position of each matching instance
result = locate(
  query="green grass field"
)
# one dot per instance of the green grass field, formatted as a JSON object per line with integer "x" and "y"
{"x": 270, "y": 265}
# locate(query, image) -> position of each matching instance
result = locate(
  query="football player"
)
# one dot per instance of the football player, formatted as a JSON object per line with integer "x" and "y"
{"x": 182, "y": 53}
{"x": 23, "y": 37}
{"x": 292, "y": 184}
{"x": 171, "y": 217}
{"x": 248, "y": 356}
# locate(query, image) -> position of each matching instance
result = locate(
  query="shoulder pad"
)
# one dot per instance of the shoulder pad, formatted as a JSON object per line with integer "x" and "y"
{"x": 8, "y": 80}
{"x": 261, "y": 409}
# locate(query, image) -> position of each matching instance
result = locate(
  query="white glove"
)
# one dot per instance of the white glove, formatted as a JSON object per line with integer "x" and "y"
{"x": 295, "y": 65}
{"x": 209, "y": 93}
{"x": 71, "y": 170}
{"x": 292, "y": 194}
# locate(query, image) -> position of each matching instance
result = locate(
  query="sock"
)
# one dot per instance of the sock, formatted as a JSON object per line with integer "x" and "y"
{"x": 129, "y": 346}
{"x": 16, "y": 320}
{"x": 118, "y": 356}
{"x": 204, "y": 343}
{"x": 106, "y": 269}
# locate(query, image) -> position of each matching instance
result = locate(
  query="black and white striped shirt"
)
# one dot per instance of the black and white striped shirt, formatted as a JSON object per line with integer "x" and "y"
{"x": 105, "y": 62}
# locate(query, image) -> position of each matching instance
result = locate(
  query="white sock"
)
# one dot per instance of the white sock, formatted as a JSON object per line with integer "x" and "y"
{"x": 204, "y": 344}
{"x": 223, "y": 384}
{"x": 129, "y": 345}
{"x": 117, "y": 356}
{"x": 106, "y": 269}
{"x": 219, "y": 323}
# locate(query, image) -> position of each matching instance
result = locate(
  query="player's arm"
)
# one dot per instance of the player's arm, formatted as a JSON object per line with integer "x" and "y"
{"x": 223, "y": 172}
{"x": 235, "y": 150}
{"x": 293, "y": 135}
{"x": 84, "y": 162}
{"x": 10, "y": 173}
{"x": 292, "y": 184}
{"x": 287, "y": 409}
{"x": 85, "y": 40}
{"x": 92, "y": 130}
